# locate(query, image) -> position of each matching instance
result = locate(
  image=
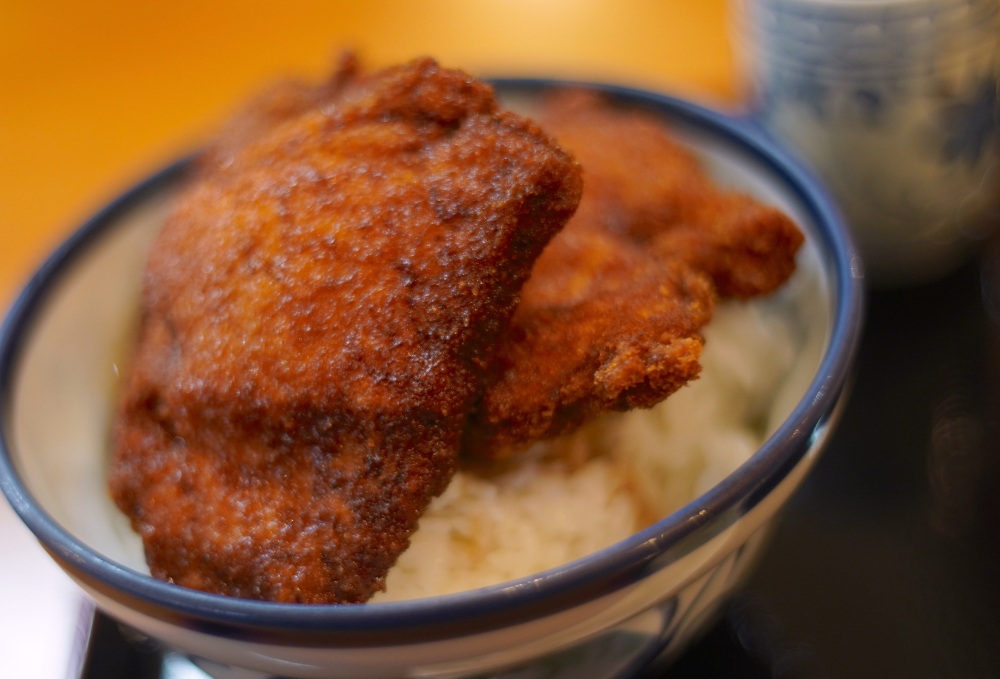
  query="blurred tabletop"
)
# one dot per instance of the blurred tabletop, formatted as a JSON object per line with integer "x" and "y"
{"x": 97, "y": 94}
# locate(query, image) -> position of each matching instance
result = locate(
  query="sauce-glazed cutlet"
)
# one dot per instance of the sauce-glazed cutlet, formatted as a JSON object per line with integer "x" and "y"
{"x": 611, "y": 318}
{"x": 317, "y": 315}
{"x": 603, "y": 325}
{"x": 281, "y": 102}
{"x": 641, "y": 182}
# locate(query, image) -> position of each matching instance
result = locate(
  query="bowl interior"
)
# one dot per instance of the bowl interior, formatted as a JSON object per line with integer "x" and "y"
{"x": 68, "y": 336}
{"x": 64, "y": 396}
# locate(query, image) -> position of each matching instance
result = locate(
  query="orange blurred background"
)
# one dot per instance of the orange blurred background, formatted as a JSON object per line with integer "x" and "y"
{"x": 96, "y": 95}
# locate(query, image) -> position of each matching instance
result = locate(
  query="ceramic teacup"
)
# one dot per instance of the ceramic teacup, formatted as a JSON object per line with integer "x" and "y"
{"x": 895, "y": 104}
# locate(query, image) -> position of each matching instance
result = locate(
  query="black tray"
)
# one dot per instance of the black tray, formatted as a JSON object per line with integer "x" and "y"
{"x": 885, "y": 564}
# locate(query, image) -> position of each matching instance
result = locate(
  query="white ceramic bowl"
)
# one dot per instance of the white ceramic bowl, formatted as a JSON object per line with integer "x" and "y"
{"x": 601, "y": 616}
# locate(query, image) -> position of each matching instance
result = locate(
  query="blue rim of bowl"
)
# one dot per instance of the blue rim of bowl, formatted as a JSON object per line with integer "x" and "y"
{"x": 489, "y": 608}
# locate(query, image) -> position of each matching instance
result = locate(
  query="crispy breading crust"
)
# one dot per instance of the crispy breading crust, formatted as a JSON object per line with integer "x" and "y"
{"x": 642, "y": 183}
{"x": 318, "y": 313}
{"x": 602, "y": 326}
{"x": 612, "y": 314}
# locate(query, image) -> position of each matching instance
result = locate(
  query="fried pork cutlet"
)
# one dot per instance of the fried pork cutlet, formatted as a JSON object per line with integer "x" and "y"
{"x": 283, "y": 101}
{"x": 602, "y": 325}
{"x": 611, "y": 317}
{"x": 318, "y": 313}
{"x": 642, "y": 183}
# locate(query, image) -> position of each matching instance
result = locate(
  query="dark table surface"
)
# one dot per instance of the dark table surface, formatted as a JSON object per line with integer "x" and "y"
{"x": 886, "y": 563}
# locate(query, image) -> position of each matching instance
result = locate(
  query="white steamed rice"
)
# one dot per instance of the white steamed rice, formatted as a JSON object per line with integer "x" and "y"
{"x": 626, "y": 469}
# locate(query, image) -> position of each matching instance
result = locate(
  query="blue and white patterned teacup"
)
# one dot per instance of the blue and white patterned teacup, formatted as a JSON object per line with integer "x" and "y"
{"x": 895, "y": 104}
